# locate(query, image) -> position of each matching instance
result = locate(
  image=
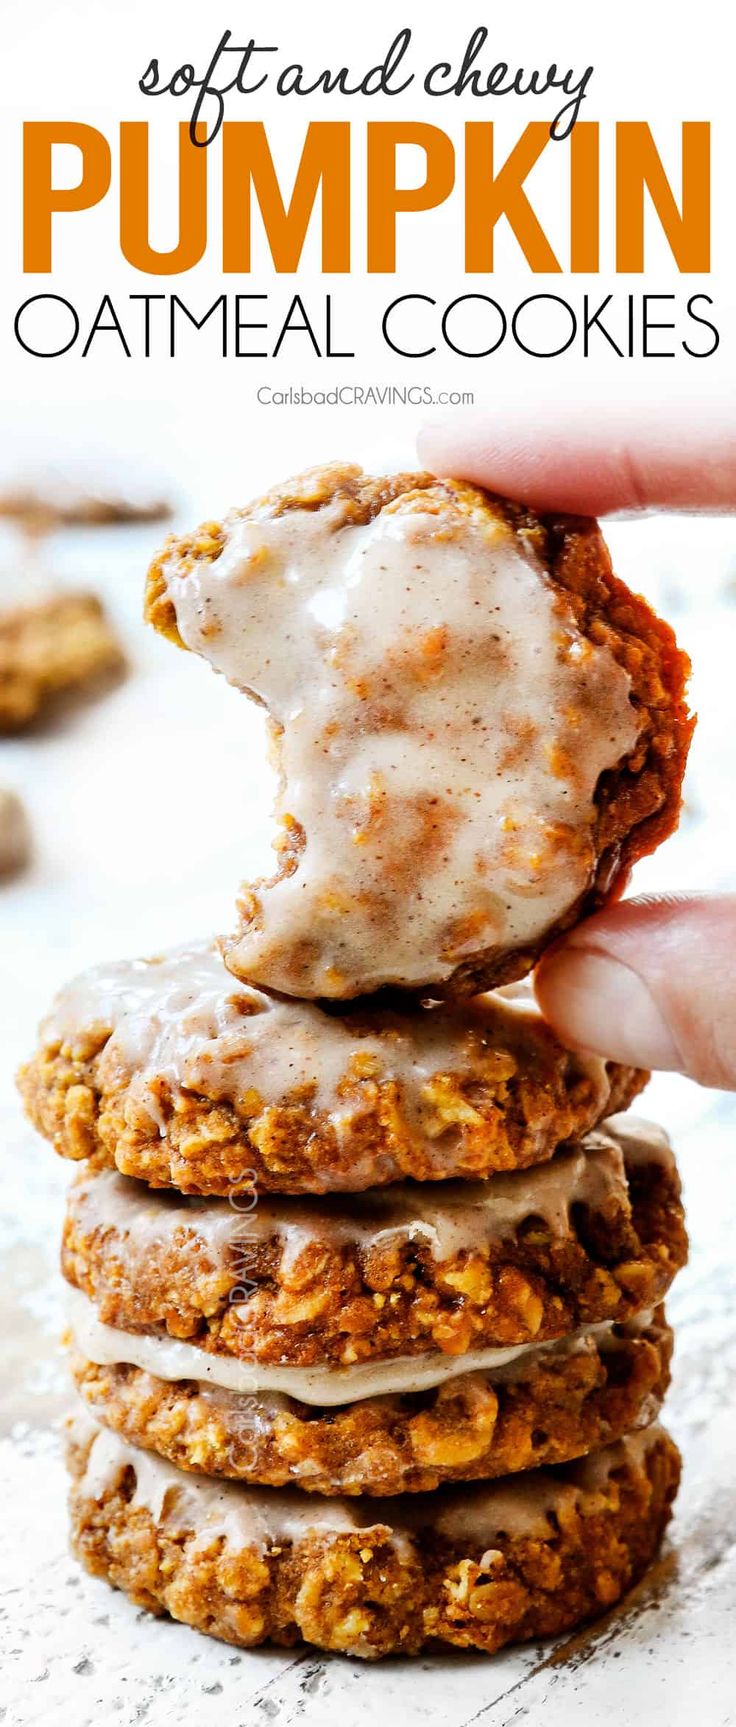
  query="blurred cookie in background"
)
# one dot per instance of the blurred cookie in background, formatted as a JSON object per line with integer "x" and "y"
{"x": 40, "y": 497}
{"x": 15, "y": 835}
{"x": 59, "y": 645}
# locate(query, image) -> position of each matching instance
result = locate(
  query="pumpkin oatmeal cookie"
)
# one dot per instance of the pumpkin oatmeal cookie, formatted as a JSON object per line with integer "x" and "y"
{"x": 472, "y": 1567}
{"x": 543, "y": 1406}
{"x": 174, "y": 1072}
{"x": 415, "y": 1271}
{"x": 15, "y": 834}
{"x": 478, "y": 728}
{"x": 43, "y": 497}
{"x": 52, "y": 648}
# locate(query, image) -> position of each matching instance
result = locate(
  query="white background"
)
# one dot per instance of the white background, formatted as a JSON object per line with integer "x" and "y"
{"x": 149, "y": 806}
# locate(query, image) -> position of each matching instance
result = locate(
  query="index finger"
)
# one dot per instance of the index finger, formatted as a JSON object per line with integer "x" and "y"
{"x": 544, "y": 458}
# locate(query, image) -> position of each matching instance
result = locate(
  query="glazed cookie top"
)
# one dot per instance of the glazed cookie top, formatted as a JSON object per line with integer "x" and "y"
{"x": 459, "y": 1218}
{"x": 595, "y": 1234}
{"x": 77, "y": 489}
{"x": 172, "y": 1359}
{"x": 252, "y": 1517}
{"x": 449, "y": 682}
{"x": 320, "y": 1099}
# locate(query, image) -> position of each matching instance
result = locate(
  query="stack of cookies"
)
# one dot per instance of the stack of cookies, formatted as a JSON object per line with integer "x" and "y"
{"x": 367, "y": 1268}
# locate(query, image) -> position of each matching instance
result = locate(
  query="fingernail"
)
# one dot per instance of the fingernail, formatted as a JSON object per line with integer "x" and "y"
{"x": 599, "y": 1004}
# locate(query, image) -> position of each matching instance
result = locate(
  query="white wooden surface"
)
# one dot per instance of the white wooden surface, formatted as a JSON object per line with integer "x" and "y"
{"x": 147, "y": 808}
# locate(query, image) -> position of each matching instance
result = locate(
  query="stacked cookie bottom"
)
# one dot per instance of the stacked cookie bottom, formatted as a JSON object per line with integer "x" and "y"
{"x": 371, "y": 1411}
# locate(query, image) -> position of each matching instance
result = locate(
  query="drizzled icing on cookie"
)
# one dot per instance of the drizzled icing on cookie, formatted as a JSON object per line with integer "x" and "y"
{"x": 441, "y": 726}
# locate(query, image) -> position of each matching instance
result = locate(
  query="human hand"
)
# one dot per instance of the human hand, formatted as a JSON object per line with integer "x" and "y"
{"x": 588, "y": 468}
{"x": 652, "y": 981}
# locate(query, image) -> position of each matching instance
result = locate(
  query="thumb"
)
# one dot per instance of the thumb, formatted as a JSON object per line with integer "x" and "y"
{"x": 652, "y": 983}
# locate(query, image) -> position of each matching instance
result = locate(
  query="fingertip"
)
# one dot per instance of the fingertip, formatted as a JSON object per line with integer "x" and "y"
{"x": 444, "y": 442}
{"x": 534, "y": 465}
{"x": 585, "y": 462}
{"x": 595, "y": 1002}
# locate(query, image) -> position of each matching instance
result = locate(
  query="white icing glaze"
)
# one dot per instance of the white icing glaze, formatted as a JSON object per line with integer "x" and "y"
{"x": 182, "y": 1021}
{"x": 252, "y": 1517}
{"x": 521, "y": 1505}
{"x": 641, "y": 1141}
{"x": 324, "y": 1387}
{"x": 459, "y": 1216}
{"x": 259, "y": 1517}
{"x": 442, "y": 725}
